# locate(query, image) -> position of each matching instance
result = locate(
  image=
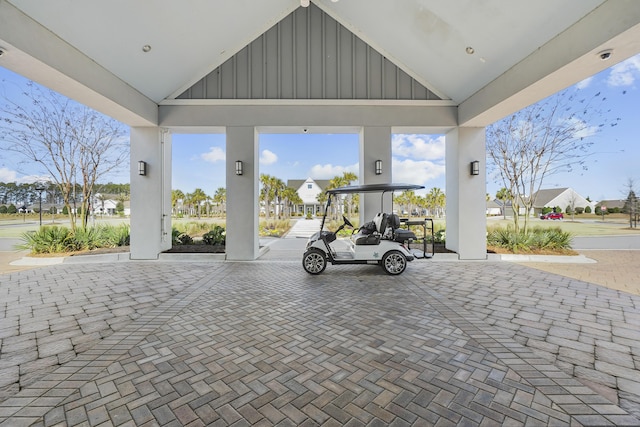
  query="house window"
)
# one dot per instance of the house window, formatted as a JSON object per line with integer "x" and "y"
{"x": 309, "y": 186}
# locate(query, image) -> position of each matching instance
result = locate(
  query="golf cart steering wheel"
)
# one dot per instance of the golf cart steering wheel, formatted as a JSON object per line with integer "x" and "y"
{"x": 346, "y": 221}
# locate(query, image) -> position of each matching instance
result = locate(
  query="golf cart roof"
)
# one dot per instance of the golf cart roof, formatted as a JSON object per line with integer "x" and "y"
{"x": 374, "y": 188}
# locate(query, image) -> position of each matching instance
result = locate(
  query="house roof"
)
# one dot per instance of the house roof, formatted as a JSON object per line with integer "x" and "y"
{"x": 543, "y": 197}
{"x": 297, "y": 183}
{"x": 612, "y": 203}
{"x": 489, "y": 58}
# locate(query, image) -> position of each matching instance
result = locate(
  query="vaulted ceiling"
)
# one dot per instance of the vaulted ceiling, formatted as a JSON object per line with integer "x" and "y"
{"x": 488, "y": 57}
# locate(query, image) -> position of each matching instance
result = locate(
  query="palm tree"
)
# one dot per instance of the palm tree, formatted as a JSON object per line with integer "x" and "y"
{"x": 220, "y": 199}
{"x": 290, "y": 198}
{"x": 197, "y": 197}
{"x": 436, "y": 200}
{"x": 270, "y": 192}
{"x": 176, "y": 197}
{"x": 337, "y": 182}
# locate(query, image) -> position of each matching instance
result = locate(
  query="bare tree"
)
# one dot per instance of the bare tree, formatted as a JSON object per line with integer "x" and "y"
{"x": 73, "y": 144}
{"x": 548, "y": 137}
{"x": 632, "y": 203}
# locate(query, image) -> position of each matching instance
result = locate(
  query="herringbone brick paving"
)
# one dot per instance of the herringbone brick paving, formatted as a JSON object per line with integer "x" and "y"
{"x": 264, "y": 343}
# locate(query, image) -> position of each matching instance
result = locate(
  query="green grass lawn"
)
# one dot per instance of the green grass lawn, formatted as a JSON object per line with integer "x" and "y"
{"x": 13, "y": 226}
{"x": 582, "y": 225}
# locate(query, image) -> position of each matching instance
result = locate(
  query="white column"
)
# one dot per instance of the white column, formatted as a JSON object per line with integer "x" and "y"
{"x": 375, "y": 144}
{"x": 242, "y": 194}
{"x": 151, "y": 193}
{"x": 466, "y": 194}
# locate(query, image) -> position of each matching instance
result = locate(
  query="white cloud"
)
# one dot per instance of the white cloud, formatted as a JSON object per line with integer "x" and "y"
{"x": 215, "y": 154}
{"x": 7, "y": 175}
{"x": 584, "y": 83}
{"x": 328, "y": 171}
{"x": 416, "y": 172}
{"x": 268, "y": 157}
{"x": 30, "y": 179}
{"x": 625, "y": 73}
{"x": 421, "y": 147}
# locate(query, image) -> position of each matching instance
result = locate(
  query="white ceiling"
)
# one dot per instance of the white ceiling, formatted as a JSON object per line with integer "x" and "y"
{"x": 426, "y": 38}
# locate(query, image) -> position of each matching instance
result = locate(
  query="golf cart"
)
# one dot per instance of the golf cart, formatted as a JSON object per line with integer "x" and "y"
{"x": 386, "y": 240}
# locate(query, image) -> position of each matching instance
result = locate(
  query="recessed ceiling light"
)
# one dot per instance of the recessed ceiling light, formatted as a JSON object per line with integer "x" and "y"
{"x": 146, "y": 48}
{"x": 470, "y": 50}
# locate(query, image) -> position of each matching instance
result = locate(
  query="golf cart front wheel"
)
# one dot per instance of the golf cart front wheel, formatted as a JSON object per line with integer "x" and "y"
{"x": 314, "y": 261}
{"x": 394, "y": 262}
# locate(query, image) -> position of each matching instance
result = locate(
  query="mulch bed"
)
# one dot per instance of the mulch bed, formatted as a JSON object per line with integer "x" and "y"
{"x": 196, "y": 249}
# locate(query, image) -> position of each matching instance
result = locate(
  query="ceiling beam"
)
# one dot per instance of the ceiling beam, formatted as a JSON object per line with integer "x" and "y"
{"x": 565, "y": 60}
{"x": 39, "y": 55}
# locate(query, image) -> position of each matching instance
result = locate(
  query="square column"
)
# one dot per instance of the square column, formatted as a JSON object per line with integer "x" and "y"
{"x": 466, "y": 193}
{"x": 242, "y": 194}
{"x": 150, "y": 193}
{"x": 375, "y": 144}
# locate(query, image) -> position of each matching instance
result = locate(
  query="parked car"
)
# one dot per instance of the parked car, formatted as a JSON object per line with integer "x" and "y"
{"x": 552, "y": 215}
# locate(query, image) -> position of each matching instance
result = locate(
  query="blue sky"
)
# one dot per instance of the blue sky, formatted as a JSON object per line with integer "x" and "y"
{"x": 198, "y": 160}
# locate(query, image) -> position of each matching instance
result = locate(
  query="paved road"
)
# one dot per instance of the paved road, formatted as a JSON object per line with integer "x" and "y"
{"x": 607, "y": 242}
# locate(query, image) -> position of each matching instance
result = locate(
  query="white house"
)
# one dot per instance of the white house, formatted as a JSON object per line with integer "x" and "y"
{"x": 563, "y": 198}
{"x": 308, "y": 190}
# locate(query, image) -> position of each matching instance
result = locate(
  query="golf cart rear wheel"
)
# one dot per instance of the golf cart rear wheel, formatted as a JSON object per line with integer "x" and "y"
{"x": 394, "y": 262}
{"x": 314, "y": 261}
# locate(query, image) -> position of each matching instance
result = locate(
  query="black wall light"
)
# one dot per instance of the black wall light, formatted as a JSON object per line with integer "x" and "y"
{"x": 142, "y": 168}
{"x": 474, "y": 168}
{"x": 238, "y": 167}
{"x": 378, "y": 166}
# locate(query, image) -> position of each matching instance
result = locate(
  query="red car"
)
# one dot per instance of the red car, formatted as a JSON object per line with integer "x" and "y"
{"x": 552, "y": 215}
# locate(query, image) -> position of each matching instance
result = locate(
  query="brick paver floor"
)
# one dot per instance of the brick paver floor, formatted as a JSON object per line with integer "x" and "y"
{"x": 264, "y": 343}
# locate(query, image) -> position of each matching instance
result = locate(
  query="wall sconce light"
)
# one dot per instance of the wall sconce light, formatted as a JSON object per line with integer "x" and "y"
{"x": 378, "y": 167}
{"x": 142, "y": 168}
{"x": 238, "y": 167}
{"x": 474, "y": 168}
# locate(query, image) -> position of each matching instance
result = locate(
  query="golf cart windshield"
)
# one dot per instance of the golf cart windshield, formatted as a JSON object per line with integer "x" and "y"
{"x": 367, "y": 188}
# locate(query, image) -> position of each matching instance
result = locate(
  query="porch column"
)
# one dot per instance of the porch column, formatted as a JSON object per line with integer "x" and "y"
{"x": 242, "y": 194}
{"x": 466, "y": 194}
{"x": 150, "y": 193}
{"x": 375, "y": 144}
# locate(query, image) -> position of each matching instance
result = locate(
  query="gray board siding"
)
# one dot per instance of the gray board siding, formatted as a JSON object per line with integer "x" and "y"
{"x": 308, "y": 55}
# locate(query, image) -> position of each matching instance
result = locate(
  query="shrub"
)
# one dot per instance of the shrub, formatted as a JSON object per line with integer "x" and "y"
{"x": 111, "y": 237}
{"x": 55, "y": 239}
{"x": 274, "y": 227}
{"x": 193, "y": 228}
{"x": 587, "y": 209}
{"x": 536, "y": 239}
{"x": 217, "y": 236}
{"x": 3, "y": 209}
{"x": 599, "y": 211}
{"x": 579, "y": 210}
{"x": 180, "y": 238}
{"x": 48, "y": 239}
{"x": 86, "y": 239}
{"x": 12, "y": 209}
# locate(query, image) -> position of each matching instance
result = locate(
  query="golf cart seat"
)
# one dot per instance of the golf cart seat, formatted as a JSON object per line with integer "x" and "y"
{"x": 370, "y": 233}
{"x": 380, "y": 220}
{"x": 399, "y": 234}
